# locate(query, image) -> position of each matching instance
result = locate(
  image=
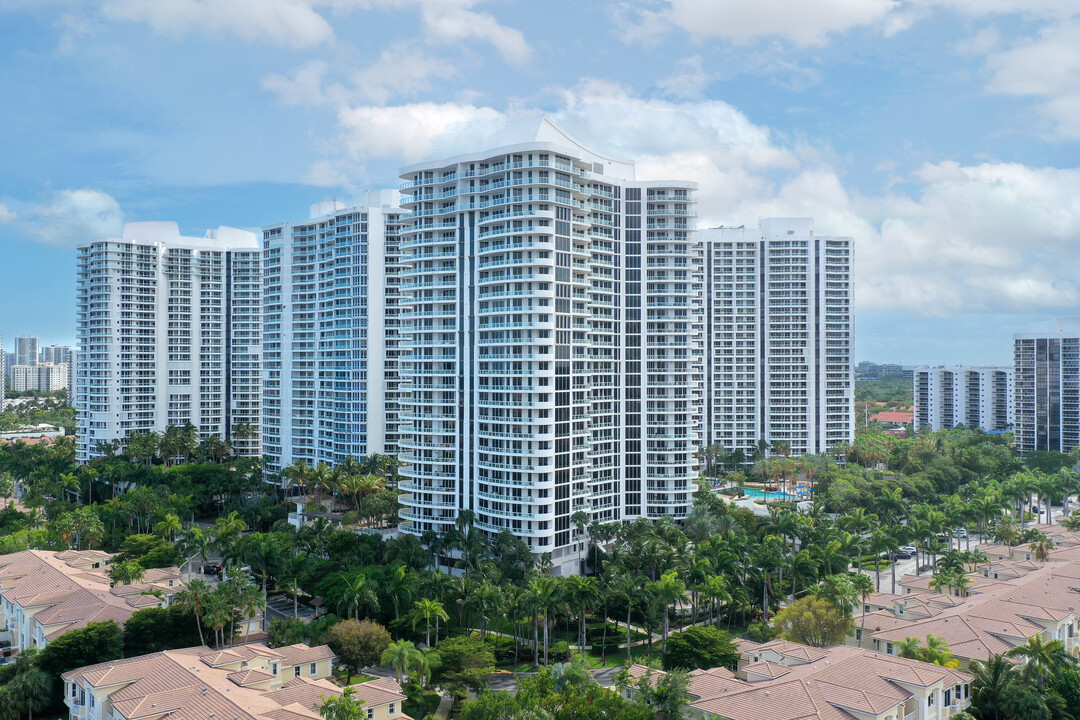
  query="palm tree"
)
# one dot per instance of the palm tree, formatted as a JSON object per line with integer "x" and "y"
{"x": 991, "y": 684}
{"x": 355, "y": 594}
{"x": 581, "y": 591}
{"x": 402, "y": 656}
{"x": 1040, "y": 550}
{"x": 668, "y": 590}
{"x": 937, "y": 652}
{"x": 126, "y": 572}
{"x": 864, "y": 586}
{"x": 426, "y": 609}
{"x": 1042, "y": 658}
{"x": 910, "y": 648}
{"x": 580, "y": 520}
{"x": 217, "y": 614}
{"x": 169, "y": 527}
{"x": 30, "y": 688}
{"x": 252, "y": 601}
{"x": 193, "y": 598}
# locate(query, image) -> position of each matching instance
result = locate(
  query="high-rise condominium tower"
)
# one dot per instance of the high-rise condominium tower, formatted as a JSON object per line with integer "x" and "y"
{"x": 778, "y": 337}
{"x": 552, "y": 342}
{"x": 1047, "y": 367}
{"x": 975, "y": 397}
{"x": 57, "y": 354}
{"x": 26, "y": 350}
{"x": 169, "y": 332}
{"x": 330, "y": 334}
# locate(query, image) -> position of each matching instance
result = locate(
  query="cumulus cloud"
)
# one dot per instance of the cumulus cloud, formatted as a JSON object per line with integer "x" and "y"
{"x": 289, "y": 23}
{"x": 1044, "y": 67}
{"x": 74, "y": 216}
{"x": 805, "y": 23}
{"x": 454, "y": 21}
{"x": 6, "y": 215}
{"x": 400, "y": 70}
{"x": 688, "y": 81}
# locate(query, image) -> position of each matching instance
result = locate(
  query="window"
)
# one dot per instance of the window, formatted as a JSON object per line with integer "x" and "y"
{"x": 888, "y": 648}
{"x": 296, "y": 671}
{"x": 391, "y": 710}
{"x": 946, "y": 699}
{"x": 273, "y": 668}
{"x": 312, "y": 669}
{"x": 858, "y": 634}
{"x": 930, "y": 698}
{"x": 371, "y": 713}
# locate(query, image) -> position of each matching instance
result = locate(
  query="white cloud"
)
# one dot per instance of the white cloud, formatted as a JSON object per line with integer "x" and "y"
{"x": 1045, "y": 67}
{"x": 402, "y": 70}
{"x": 74, "y": 216}
{"x": 6, "y": 215}
{"x": 413, "y": 132}
{"x": 304, "y": 88}
{"x": 453, "y": 21}
{"x": 688, "y": 81}
{"x": 804, "y": 23}
{"x": 987, "y": 237}
{"x": 289, "y": 23}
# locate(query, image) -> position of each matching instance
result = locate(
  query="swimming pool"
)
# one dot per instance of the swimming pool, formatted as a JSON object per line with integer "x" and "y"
{"x": 755, "y": 493}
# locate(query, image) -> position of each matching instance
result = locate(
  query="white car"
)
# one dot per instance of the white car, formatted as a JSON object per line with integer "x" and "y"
{"x": 909, "y": 550}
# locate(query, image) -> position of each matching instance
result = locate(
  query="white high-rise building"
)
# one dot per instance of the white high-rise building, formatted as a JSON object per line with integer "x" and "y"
{"x": 330, "y": 334}
{"x": 26, "y": 350}
{"x": 57, "y": 354}
{"x": 975, "y": 397}
{"x": 43, "y": 377}
{"x": 169, "y": 332}
{"x": 779, "y": 337}
{"x": 1047, "y": 367}
{"x": 551, "y": 341}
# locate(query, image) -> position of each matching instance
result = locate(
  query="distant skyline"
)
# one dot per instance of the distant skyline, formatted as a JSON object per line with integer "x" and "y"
{"x": 941, "y": 134}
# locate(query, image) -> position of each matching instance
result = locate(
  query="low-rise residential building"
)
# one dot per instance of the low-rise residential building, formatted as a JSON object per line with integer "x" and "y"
{"x": 247, "y": 682}
{"x": 782, "y": 680}
{"x": 44, "y": 594}
{"x": 1011, "y": 597}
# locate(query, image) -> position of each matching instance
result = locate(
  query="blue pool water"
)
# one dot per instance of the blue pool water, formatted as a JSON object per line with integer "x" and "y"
{"x": 755, "y": 493}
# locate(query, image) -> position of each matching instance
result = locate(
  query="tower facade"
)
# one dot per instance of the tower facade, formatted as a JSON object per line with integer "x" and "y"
{"x": 1047, "y": 367}
{"x": 779, "y": 337}
{"x": 330, "y": 363}
{"x": 169, "y": 332}
{"x": 975, "y": 397}
{"x": 552, "y": 342}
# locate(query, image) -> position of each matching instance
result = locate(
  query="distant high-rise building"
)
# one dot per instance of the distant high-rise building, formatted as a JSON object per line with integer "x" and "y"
{"x": 57, "y": 354}
{"x": 551, "y": 342}
{"x": 779, "y": 337}
{"x": 975, "y": 397}
{"x": 43, "y": 377}
{"x": 330, "y": 334}
{"x": 26, "y": 350}
{"x": 1047, "y": 368}
{"x": 169, "y": 331}
{"x": 9, "y": 362}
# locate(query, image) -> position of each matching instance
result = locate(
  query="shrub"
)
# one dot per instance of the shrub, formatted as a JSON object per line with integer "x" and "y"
{"x": 559, "y": 651}
{"x": 501, "y": 647}
{"x": 761, "y": 632}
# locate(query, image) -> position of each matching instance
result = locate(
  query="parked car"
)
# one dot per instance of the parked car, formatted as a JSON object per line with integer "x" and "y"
{"x": 902, "y": 555}
{"x": 909, "y": 549}
{"x": 960, "y": 533}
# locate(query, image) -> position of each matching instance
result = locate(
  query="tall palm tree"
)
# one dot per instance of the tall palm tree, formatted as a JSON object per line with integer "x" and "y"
{"x": 581, "y": 592}
{"x": 251, "y": 602}
{"x": 402, "y": 656}
{"x": 427, "y": 609}
{"x": 1042, "y": 658}
{"x": 193, "y": 598}
{"x": 668, "y": 590}
{"x": 357, "y": 593}
{"x": 864, "y": 586}
{"x": 991, "y": 684}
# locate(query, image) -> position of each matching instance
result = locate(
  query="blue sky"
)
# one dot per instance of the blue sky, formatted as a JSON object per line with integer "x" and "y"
{"x": 941, "y": 134}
